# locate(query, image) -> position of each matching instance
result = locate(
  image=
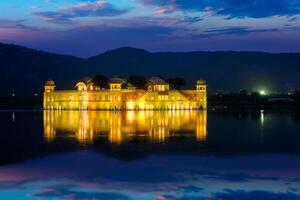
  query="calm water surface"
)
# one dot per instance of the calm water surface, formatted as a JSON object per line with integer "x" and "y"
{"x": 172, "y": 155}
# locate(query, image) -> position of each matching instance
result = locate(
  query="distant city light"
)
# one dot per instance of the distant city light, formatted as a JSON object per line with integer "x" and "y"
{"x": 262, "y": 92}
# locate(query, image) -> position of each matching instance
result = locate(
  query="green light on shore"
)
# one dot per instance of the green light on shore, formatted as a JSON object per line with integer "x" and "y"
{"x": 262, "y": 92}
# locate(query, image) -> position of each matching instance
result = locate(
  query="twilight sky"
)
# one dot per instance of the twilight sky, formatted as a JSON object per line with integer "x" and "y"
{"x": 88, "y": 27}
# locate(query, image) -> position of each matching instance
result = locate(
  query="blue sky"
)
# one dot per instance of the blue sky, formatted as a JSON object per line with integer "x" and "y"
{"x": 87, "y": 27}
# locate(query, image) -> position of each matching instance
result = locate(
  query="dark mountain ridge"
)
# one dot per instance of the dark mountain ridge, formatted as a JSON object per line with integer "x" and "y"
{"x": 23, "y": 70}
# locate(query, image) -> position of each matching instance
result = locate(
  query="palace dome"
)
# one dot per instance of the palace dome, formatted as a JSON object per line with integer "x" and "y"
{"x": 50, "y": 83}
{"x": 116, "y": 80}
{"x": 201, "y": 82}
{"x": 157, "y": 80}
{"x": 86, "y": 80}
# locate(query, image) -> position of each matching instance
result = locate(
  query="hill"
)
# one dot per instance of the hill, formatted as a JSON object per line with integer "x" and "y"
{"x": 23, "y": 70}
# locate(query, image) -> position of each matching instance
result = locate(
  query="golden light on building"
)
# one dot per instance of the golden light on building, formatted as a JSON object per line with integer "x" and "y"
{"x": 158, "y": 96}
{"x": 118, "y": 127}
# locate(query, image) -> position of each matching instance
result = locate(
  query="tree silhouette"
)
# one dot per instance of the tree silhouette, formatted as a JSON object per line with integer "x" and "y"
{"x": 101, "y": 80}
{"x": 177, "y": 83}
{"x": 137, "y": 81}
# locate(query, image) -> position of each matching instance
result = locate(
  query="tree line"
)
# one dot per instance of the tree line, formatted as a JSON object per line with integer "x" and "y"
{"x": 140, "y": 81}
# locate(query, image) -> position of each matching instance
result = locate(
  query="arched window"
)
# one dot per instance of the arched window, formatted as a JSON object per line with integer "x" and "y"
{"x": 81, "y": 86}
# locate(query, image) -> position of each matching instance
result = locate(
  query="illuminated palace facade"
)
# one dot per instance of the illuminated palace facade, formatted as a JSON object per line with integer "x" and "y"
{"x": 123, "y": 96}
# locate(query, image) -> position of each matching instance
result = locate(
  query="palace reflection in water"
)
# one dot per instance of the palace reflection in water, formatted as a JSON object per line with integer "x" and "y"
{"x": 150, "y": 155}
{"x": 118, "y": 127}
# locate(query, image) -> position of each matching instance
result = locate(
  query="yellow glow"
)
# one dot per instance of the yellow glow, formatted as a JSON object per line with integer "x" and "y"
{"x": 121, "y": 126}
{"x": 49, "y": 129}
{"x": 86, "y": 97}
{"x": 130, "y": 105}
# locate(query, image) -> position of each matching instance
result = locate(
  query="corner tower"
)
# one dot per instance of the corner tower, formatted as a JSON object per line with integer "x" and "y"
{"x": 201, "y": 94}
{"x": 49, "y": 88}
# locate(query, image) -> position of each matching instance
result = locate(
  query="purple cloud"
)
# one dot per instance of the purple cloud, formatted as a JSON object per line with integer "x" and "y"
{"x": 66, "y": 192}
{"x": 234, "y": 31}
{"x": 95, "y": 9}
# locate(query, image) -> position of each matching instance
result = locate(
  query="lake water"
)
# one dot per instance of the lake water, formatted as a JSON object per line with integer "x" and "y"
{"x": 171, "y": 155}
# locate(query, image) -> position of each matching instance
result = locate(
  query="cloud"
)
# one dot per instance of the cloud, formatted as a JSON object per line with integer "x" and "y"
{"x": 66, "y": 192}
{"x": 97, "y": 8}
{"x": 198, "y": 33}
{"x": 166, "y": 9}
{"x": 233, "y": 8}
{"x": 235, "y": 31}
{"x": 247, "y": 195}
{"x": 191, "y": 20}
{"x": 90, "y": 9}
{"x": 236, "y": 177}
{"x": 9, "y": 23}
{"x": 123, "y": 180}
{"x": 4, "y": 23}
{"x": 16, "y": 184}
{"x": 235, "y": 195}
{"x": 16, "y": 24}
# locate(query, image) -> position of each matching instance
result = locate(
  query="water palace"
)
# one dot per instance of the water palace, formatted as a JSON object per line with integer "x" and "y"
{"x": 123, "y": 96}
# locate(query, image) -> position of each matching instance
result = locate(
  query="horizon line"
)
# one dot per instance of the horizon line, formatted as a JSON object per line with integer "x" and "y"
{"x": 142, "y": 49}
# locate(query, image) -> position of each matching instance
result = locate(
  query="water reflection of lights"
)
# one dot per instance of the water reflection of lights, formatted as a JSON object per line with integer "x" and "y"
{"x": 49, "y": 131}
{"x": 120, "y": 126}
{"x": 262, "y": 117}
{"x": 13, "y": 116}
